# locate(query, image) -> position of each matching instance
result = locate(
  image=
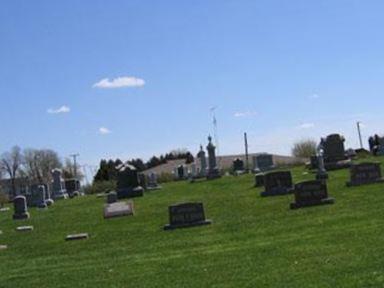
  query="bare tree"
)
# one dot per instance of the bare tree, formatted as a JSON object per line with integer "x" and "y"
{"x": 11, "y": 163}
{"x": 304, "y": 148}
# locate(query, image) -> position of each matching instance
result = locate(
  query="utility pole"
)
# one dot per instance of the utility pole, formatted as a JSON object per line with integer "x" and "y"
{"x": 246, "y": 152}
{"x": 74, "y": 156}
{"x": 359, "y": 132}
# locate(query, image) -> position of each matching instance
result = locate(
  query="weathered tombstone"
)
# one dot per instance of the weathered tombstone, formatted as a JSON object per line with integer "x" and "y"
{"x": 58, "y": 186}
{"x": 213, "y": 170}
{"x": 79, "y": 236}
{"x": 277, "y": 183}
{"x": 41, "y": 203}
{"x": 334, "y": 152}
{"x": 259, "y": 179}
{"x": 203, "y": 162}
{"x": 263, "y": 162}
{"x": 20, "y": 207}
{"x": 365, "y": 173}
{"x": 186, "y": 215}
{"x": 72, "y": 186}
{"x": 310, "y": 193}
{"x": 128, "y": 182}
{"x": 238, "y": 166}
{"x": 118, "y": 209}
{"x": 321, "y": 173}
{"x": 111, "y": 197}
{"x": 152, "y": 182}
{"x": 142, "y": 180}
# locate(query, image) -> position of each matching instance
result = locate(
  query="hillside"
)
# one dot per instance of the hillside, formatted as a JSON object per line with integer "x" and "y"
{"x": 252, "y": 242}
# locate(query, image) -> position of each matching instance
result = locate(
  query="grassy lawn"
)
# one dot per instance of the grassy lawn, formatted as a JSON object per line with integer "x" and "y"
{"x": 252, "y": 242}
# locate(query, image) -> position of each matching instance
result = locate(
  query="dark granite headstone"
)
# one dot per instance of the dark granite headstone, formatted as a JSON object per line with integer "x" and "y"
{"x": 238, "y": 165}
{"x": 259, "y": 180}
{"x": 128, "y": 182}
{"x": 277, "y": 183}
{"x": 365, "y": 173}
{"x": 186, "y": 215}
{"x": 41, "y": 203}
{"x": 310, "y": 193}
{"x": 111, "y": 197}
{"x": 334, "y": 152}
{"x": 213, "y": 170}
{"x": 20, "y": 207}
{"x": 72, "y": 187}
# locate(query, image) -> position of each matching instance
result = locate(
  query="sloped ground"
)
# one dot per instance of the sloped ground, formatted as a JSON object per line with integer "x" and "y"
{"x": 252, "y": 242}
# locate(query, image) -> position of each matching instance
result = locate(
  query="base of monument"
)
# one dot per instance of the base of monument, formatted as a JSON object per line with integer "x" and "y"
{"x": 20, "y": 216}
{"x": 276, "y": 192}
{"x": 338, "y": 165}
{"x": 314, "y": 203}
{"x": 200, "y": 223}
{"x": 130, "y": 192}
{"x": 42, "y": 205}
{"x": 213, "y": 174}
{"x": 352, "y": 184}
{"x": 49, "y": 202}
{"x": 61, "y": 196}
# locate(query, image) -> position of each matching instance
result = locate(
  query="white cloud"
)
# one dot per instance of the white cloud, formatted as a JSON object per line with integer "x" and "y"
{"x": 306, "y": 126}
{"x": 104, "y": 131}
{"x": 119, "y": 82}
{"x": 314, "y": 96}
{"x": 244, "y": 114}
{"x": 62, "y": 109}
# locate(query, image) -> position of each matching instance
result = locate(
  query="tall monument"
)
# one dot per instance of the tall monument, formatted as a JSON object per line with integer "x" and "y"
{"x": 213, "y": 170}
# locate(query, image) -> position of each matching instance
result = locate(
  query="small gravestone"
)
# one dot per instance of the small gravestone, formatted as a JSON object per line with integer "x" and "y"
{"x": 311, "y": 193}
{"x": 259, "y": 180}
{"x": 238, "y": 166}
{"x": 365, "y": 173}
{"x": 41, "y": 203}
{"x": 118, "y": 209}
{"x": 263, "y": 162}
{"x": 72, "y": 186}
{"x": 111, "y": 197}
{"x": 128, "y": 182}
{"x": 3, "y": 247}
{"x": 186, "y": 215}
{"x": 24, "y": 228}
{"x": 20, "y": 208}
{"x": 213, "y": 170}
{"x": 277, "y": 183}
{"x": 79, "y": 236}
{"x": 152, "y": 182}
{"x": 58, "y": 185}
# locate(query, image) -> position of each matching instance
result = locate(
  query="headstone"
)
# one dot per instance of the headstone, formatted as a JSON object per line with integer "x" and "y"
{"x": 263, "y": 162}
{"x": 3, "y": 247}
{"x": 310, "y": 193}
{"x": 380, "y": 146}
{"x": 152, "y": 182}
{"x": 186, "y": 215}
{"x": 203, "y": 162}
{"x": 111, "y": 197}
{"x": 259, "y": 179}
{"x": 238, "y": 166}
{"x": 48, "y": 199}
{"x": 58, "y": 185}
{"x": 334, "y": 152}
{"x": 181, "y": 172}
{"x": 24, "y": 228}
{"x": 321, "y": 173}
{"x": 142, "y": 180}
{"x": 128, "y": 182}
{"x": 213, "y": 170}
{"x": 41, "y": 203}
{"x": 72, "y": 186}
{"x": 365, "y": 173}
{"x": 20, "y": 207}
{"x": 79, "y": 236}
{"x": 313, "y": 162}
{"x": 277, "y": 183}
{"x": 118, "y": 209}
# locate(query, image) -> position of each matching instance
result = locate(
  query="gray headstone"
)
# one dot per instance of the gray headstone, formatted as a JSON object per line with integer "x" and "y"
{"x": 310, "y": 193}
{"x": 58, "y": 185}
{"x": 203, "y": 162}
{"x": 118, "y": 209}
{"x": 365, "y": 173}
{"x": 41, "y": 203}
{"x": 263, "y": 162}
{"x": 20, "y": 208}
{"x": 186, "y": 215}
{"x": 277, "y": 183}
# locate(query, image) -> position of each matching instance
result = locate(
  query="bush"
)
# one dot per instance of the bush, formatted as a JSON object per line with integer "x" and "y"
{"x": 100, "y": 187}
{"x": 304, "y": 148}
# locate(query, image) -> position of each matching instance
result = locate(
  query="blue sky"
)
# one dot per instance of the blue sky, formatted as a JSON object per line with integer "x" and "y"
{"x": 279, "y": 70}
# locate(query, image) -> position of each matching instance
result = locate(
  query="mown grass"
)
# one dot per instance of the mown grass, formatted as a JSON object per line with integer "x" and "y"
{"x": 252, "y": 242}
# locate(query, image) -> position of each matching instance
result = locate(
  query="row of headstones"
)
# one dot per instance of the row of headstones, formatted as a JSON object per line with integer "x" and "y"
{"x": 261, "y": 162}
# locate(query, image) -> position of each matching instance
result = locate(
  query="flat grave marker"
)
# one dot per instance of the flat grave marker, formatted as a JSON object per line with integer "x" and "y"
{"x": 3, "y": 247}
{"x": 118, "y": 209}
{"x": 24, "y": 228}
{"x": 80, "y": 236}
{"x": 186, "y": 215}
{"x": 311, "y": 193}
{"x": 4, "y": 209}
{"x": 365, "y": 173}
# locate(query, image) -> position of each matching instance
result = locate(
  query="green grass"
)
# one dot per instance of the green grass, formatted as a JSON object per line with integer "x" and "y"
{"x": 252, "y": 242}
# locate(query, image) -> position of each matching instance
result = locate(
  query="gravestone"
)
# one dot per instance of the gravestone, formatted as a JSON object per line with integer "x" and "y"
{"x": 72, "y": 186}
{"x": 186, "y": 215}
{"x": 24, "y": 228}
{"x": 118, "y": 209}
{"x": 262, "y": 162}
{"x": 259, "y": 179}
{"x": 181, "y": 172}
{"x": 58, "y": 185}
{"x": 380, "y": 146}
{"x": 203, "y": 162}
{"x": 79, "y": 236}
{"x": 277, "y": 183}
{"x": 310, "y": 193}
{"x": 111, "y": 197}
{"x": 321, "y": 173}
{"x": 41, "y": 203}
{"x": 213, "y": 170}
{"x": 3, "y": 247}
{"x": 334, "y": 152}
{"x": 152, "y": 182}
{"x": 313, "y": 164}
{"x": 238, "y": 166}
{"x": 365, "y": 173}
{"x": 20, "y": 208}
{"x": 128, "y": 182}
{"x": 143, "y": 180}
